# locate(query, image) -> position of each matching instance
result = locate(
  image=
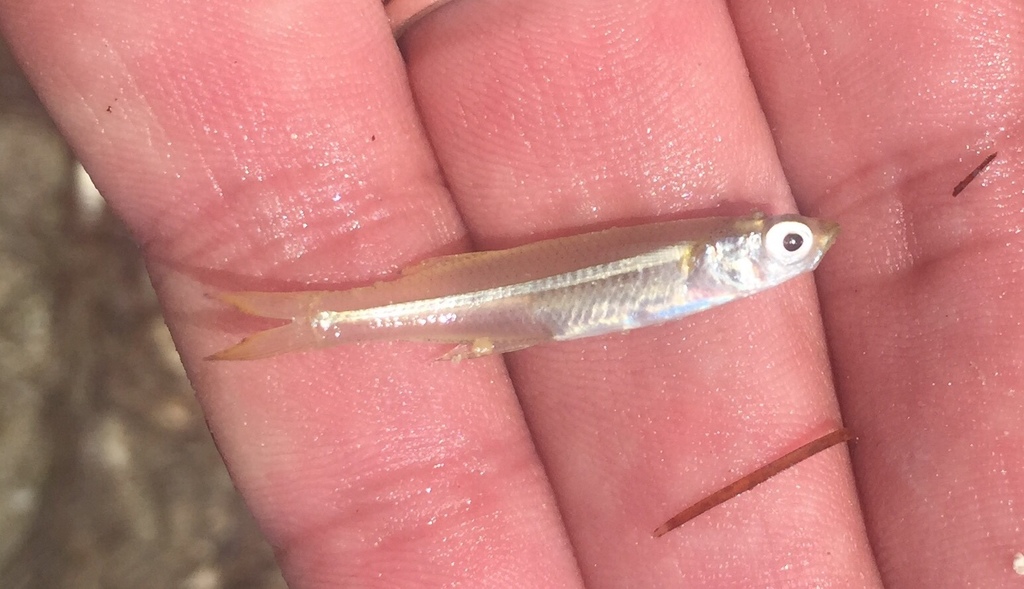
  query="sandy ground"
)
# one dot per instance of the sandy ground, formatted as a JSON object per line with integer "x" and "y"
{"x": 108, "y": 476}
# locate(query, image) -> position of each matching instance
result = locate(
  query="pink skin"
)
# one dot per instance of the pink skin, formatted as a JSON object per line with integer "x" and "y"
{"x": 258, "y": 145}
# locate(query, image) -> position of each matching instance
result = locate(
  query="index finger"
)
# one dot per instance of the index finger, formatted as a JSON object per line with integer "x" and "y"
{"x": 275, "y": 146}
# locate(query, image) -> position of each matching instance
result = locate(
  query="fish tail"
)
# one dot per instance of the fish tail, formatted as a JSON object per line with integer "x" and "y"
{"x": 275, "y": 305}
{"x": 292, "y": 337}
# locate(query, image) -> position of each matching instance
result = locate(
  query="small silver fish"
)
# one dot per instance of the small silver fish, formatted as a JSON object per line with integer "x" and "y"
{"x": 553, "y": 290}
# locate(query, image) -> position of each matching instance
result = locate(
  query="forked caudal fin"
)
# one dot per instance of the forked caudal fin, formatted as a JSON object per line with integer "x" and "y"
{"x": 274, "y": 305}
{"x": 294, "y": 336}
{"x": 266, "y": 343}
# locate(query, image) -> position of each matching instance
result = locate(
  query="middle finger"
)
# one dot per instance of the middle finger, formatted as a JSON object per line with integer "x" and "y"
{"x": 552, "y": 117}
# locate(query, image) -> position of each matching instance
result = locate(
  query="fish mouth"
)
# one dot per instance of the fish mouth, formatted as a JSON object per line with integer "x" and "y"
{"x": 827, "y": 233}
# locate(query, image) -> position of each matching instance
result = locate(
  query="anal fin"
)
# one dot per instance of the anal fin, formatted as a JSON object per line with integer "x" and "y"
{"x": 481, "y": 347}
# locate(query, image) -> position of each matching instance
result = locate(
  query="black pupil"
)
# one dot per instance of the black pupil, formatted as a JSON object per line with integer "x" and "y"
{"x": 792, "y": 242}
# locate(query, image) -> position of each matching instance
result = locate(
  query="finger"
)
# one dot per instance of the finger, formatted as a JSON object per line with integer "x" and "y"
{"x": 271, "y": 146}
{"x": 554, "y": 117}
{"x": 878, "y": 114}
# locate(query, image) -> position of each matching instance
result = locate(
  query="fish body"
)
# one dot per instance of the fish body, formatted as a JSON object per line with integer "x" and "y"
{"x": 551, "y": 290}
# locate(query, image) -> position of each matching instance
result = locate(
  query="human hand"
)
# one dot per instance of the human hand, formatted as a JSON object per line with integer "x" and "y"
{"x": 279, "y": 146}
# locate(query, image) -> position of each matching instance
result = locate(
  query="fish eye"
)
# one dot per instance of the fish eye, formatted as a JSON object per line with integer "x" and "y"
{"x": 789, "y": 241}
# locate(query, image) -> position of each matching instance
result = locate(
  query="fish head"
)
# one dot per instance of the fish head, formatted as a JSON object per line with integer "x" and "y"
{"x": 792, "y": 245}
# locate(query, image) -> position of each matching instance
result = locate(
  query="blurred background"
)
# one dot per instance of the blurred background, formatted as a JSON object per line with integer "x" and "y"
{"x": 108, "y": 476}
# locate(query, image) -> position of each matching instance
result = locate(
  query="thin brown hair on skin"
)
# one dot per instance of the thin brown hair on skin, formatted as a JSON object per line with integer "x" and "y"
{"x": 754, "y": 479}
{"x": 974, "y": 174}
